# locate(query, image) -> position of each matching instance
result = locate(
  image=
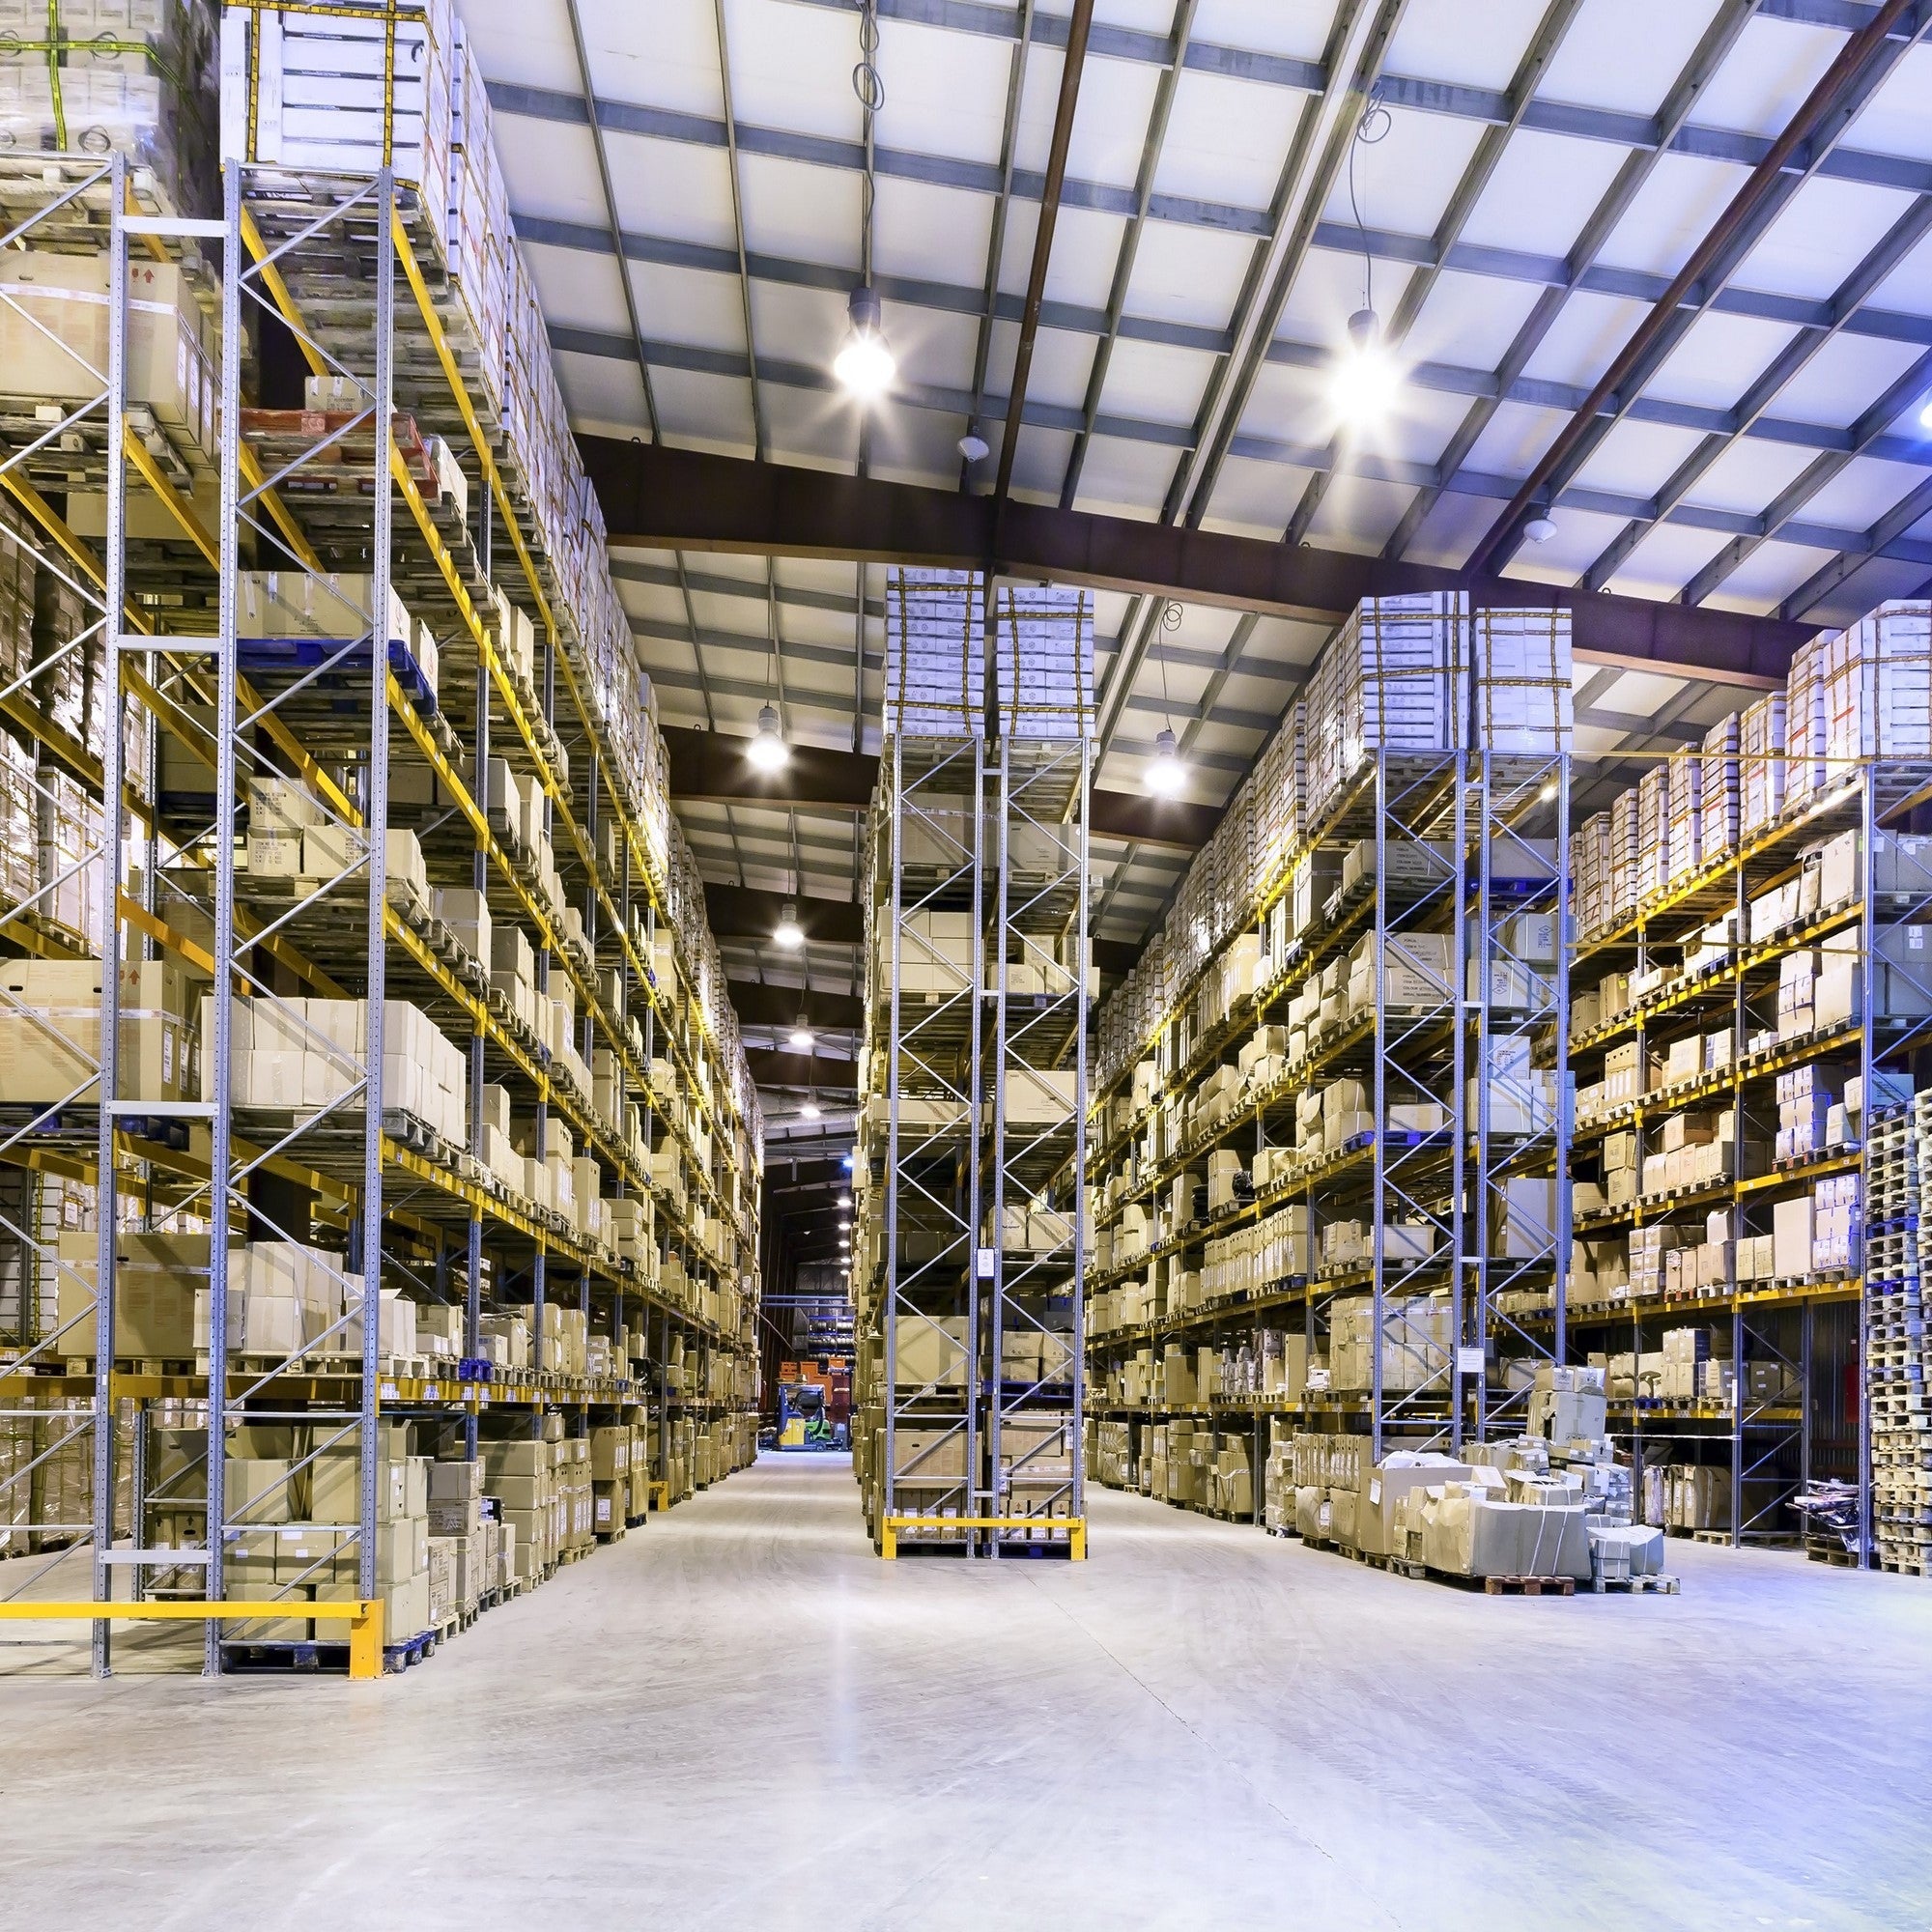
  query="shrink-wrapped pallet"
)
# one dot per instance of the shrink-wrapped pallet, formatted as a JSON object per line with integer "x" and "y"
{"x": 1804, "y": 732}
{"x": 135, "y": 78}
{"x": 1590, "y": 873}
{"x": 1625, "y": 882}
{"x": 1043, "y": 646}
{"x": 1521, "y": 662}
{"x": 330, "y": 91}
{"x": 1277, "y": 812}
{"x": 1717, "y": 783}
{"x": 1684, "y": 778}
{"x": 1653, "y": 830}
{"x": 1877, "y": 686}
{"x": 478, "y": 215}
{"x": 1394, "y": 680}
{"x": 1762, "y": 770}
{"x": 934, "y": 685}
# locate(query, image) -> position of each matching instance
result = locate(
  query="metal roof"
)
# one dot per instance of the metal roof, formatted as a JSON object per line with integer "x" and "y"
{"x": 1544, "y": 169}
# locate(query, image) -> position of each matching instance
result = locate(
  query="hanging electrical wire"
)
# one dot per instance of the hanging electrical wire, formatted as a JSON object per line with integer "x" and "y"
{"x": 1365, "y": 379}
{"x": 1165, "y": 771}
{"x": 866, "y": 364}
{"x": 1371, "y": 131}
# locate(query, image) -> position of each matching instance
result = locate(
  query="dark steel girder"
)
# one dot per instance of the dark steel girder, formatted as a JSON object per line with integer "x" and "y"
{"x": 711, "y": 768}
{"x": 1794, "y": 154}
{"x": 1072, "y": 62}
{"x": 757, "y": 1003}
{"x": 661, "y": 499}
{"x": 811, "y": 1070}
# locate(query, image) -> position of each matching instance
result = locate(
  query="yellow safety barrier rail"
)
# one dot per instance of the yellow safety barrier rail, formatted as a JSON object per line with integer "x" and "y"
{"x": 1075, "y": 1528}
{"x": 364, "y": 1619}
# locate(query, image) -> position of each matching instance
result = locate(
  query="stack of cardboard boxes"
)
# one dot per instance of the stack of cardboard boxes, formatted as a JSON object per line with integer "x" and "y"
{"x": 50, "y": 1030}
{"x": 298, "y": 1055}
{"x": 1415, "y": 1342}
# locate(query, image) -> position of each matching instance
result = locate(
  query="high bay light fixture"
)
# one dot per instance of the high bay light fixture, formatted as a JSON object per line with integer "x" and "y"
{"x": 1165, "y": 773}
{"x": 1365, "y": 381}
{"x": 789, "y": 933}
{"x": 866, "y": 364}
{"x": 768, "y": 751}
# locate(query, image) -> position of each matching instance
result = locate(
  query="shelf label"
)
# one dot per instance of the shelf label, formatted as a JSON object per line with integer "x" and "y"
{"x": 1469, "y": 1360}
{"x": 986, "y": 1264}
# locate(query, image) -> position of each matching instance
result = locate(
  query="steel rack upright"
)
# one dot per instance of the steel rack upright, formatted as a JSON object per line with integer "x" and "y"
{"x": 1032, "y": 1125}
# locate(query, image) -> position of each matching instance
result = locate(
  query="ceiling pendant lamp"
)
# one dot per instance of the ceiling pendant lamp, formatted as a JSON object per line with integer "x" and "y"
{"x": 1166, "y": 774}
{"x": 866, "y": 364}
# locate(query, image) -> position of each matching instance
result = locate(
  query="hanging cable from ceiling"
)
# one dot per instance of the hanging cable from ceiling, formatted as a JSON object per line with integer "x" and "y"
{"x": 865, "y": 363}
{"x": 1166, "y": 774}
{"x": 1365, "y": 377}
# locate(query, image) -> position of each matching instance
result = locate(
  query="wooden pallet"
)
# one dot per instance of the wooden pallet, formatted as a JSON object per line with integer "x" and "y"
{"x": 1838, "y": 1556}
{"x": 1659, "y": 1585}
{"x": 1893, "y": 1567}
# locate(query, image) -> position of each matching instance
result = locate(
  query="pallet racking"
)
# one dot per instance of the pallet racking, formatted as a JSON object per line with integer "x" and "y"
{"x": 1375, "y": 1217}
{"x": 224, "y": 583}
{"x": 968, "y": 1185}
{"x": 1824, "y": 1358}
{"x": 1352, "y": 1020}
{"x": 1712, "y": 948}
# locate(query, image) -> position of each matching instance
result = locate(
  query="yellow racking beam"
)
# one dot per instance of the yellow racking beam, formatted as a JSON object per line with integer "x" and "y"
{"x": 492, "y": 666}
{"x": 492, "y": 477}
{"x": 364, "y": 1619}
{"x": 1074, "y": 1526}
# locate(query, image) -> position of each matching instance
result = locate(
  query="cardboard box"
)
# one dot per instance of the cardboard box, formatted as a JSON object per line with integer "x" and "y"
{"x": 156, "y": 1280}
{"x": 456, "y": 1515}
{"x": 50, "y": 1030}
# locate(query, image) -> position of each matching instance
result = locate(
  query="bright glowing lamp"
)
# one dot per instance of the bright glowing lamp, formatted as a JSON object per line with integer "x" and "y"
{"x": 866, "y": 364}
{"x": 1363, "y": 383}
{"x": 768, "y": 751}
{"x": 1165, "y": 773}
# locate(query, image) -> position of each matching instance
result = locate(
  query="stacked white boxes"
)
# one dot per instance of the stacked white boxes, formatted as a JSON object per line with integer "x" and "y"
{"x": 1524, "y": 686}
{"x": 328, "y": 92}
{"x": 1043, "y": 646}
{"x": 1395, "y": 680}
{"x": 1625, "y": 865}
{"x": 1653, "y": 830}
{"x": 478, "y": 214}
{"x": 1281, "y": 774}
{"x": 1684, "y": 778}
{"x": 934, "y": 666}
{"x": 1860, "y": 694}
{"x": 1590, "y": 873}
{"x": 1805, "y": 725}
{"x": 1877, "y": 686}
{"x": 1761, "y": 768}
{"x": 1718, "y": 791}
{"x": 149, "y": 93}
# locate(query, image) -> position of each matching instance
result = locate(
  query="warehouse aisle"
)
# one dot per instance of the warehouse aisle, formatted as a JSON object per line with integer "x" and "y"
{"x": 739, "y": 1717}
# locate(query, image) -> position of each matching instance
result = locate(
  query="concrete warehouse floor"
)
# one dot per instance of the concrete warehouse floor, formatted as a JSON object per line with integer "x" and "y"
{"x": 740, "y": 1718}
